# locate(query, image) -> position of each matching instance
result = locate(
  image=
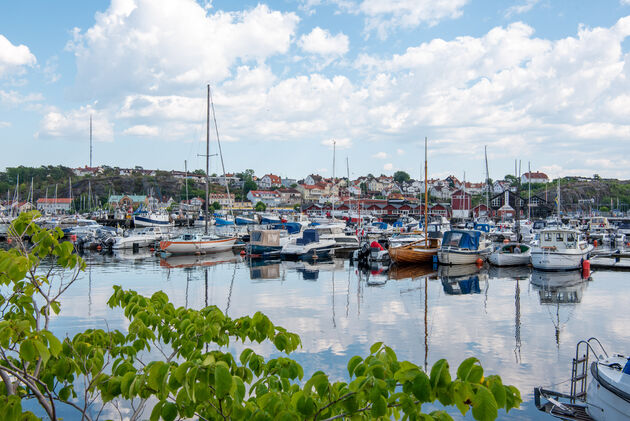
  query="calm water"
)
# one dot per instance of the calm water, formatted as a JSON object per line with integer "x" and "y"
{"x": 522, "y": 325}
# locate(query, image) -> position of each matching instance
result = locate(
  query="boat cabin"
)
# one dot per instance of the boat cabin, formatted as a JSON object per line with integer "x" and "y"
{"x": 561, "y": 239}
{"x": 309, "y": 236}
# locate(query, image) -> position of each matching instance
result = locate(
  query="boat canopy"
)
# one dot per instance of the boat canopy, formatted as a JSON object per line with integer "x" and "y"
{"x": 380, "y": 225}
{"x": 265, "y": 237}
{"x": 462, "y": 239}
{"x": 309, "y": 236}
{"x": 291, "y": 227}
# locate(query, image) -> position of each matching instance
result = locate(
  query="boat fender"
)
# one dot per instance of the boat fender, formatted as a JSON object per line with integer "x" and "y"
{"x": 595, "y": 243}
{"x": 479, "y": 261}
{"x": 586, "y": 269}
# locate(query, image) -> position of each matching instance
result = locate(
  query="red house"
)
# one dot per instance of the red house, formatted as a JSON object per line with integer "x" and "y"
{"x": 461, "y": 203}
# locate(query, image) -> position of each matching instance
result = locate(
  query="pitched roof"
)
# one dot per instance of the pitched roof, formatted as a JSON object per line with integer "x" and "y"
{"x": 53, "y": 200}
{"x": 536, "y": 175}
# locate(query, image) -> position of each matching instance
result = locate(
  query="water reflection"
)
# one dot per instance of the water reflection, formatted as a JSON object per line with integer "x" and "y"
{"x": 463, "y": 279}
{"x": 422, "y": 312}
{"x": 559, "y": 291}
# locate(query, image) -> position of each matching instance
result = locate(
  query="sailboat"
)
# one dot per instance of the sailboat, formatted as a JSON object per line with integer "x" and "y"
{"x": 200, "y": 243}
{"x": 421, "y": 251}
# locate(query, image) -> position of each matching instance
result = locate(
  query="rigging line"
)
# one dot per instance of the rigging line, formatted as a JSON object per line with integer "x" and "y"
{"x": 216, "y": 128}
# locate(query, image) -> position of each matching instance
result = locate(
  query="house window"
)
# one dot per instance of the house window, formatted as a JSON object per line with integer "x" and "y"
{"x": 496, "y": 201}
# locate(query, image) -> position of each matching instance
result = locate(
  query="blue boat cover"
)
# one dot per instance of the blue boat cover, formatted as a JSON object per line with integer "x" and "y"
{"x": 309, "y": 236}
{"x": 291, "y": 227}
{"x": 482, "y": 227}
{"x": 467, "y": 239}
{"x": 381, "y": 225}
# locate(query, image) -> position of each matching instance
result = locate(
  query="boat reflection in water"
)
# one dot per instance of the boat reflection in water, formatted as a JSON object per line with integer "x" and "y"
{"x": 462, "y": 279}
{"x": 509, "y": 272}
{"x": 397, "y": 272}
{"x": 264, "y": 269}
{"x": 310, "y": 269}
{"x": 130, "y": 256}
{"x": 559, "y": 290}
{"x": 203, "y": 260}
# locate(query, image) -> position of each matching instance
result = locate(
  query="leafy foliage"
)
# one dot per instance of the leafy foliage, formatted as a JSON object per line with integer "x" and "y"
{"x": 197, "y": 377}
{"x": 401, "y": 176}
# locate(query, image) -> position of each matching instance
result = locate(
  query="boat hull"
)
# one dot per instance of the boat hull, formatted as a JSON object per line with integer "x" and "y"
{"x": 548, "y": 260}
{"x": 197, "y": 247}
{"x": 143, "y": 221}
{"x": 605, "y": 399}
{"x": 411, "y": 255}
{"x": 461, "y": 257}
{"x": 509, "y": 259}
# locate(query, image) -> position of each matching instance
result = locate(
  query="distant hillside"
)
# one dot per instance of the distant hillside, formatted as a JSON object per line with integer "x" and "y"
{"x": 575, "y": 194}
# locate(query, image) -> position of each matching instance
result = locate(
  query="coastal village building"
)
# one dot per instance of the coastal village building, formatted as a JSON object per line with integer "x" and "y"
{"x": 461, "y": 204}
{"x": 54, "y": 206}
{"x": 222, "y": 198}
{"x": 268, "y": 197}
{"x": 269, "y": 180}
{"x": 290, "y": 196}
{"x": 534, "y": 177}
{"x": 125, "y": 201}
{"x": 289, "y": 182}
{"x": 481, "y": 210}
{"x": 313, "y": 179}
{"x": 87, "y": 171}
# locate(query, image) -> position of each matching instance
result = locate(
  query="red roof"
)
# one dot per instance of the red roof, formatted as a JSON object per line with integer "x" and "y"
{"x": 257, "y": 193}
{"x": 274, "y": 179}
{"x": 53, "y": 200}
{"x": 539, "y": 175}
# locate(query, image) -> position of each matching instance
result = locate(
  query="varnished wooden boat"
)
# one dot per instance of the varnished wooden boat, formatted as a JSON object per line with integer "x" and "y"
{"x": 417, "y": 252}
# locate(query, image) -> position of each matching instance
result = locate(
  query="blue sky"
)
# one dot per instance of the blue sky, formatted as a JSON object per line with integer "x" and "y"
{"x": 542, "y": 81}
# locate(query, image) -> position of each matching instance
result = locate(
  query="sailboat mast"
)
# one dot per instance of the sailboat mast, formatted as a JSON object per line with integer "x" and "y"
{"x": 426, "y": 195}
{"x": 487, "y": 180}
{"x": 90, "y": 140}
{"x": 558, "y": 198}
{"x": 216, "y": 128}
{"x": 529, "y": 194}
{"x": 207, "y": 157}
{"x": 333, "y": 180}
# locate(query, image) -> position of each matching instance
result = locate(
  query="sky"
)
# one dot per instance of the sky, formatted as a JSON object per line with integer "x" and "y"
{"x": 539, "y": 81}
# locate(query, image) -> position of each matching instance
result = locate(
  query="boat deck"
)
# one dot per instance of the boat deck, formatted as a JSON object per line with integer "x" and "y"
{"x": 572, "y": 412}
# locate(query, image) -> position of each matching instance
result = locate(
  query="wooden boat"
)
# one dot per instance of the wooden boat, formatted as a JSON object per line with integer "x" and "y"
{"x": 197, "y": 244}
{"x": 418, "y": 252}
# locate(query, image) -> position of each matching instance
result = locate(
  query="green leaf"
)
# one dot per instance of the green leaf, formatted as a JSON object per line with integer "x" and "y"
{"x": 53, "y": 343}
{"x": 379, "y": 407}
{"x": 484, "y": 405}
{"x": 28, "y": 352}
{"x": 421, "y": 387}
{"x": 169, "y": 411}
{"x": 375, "y": 347}
{"x": 352, "y": 364}
{"x": 440, "y": 376}
{"x": 222, "y": 381}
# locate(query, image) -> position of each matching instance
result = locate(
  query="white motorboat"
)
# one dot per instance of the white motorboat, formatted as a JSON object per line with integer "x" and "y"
{"x": 197, "y": 244}
{"x": 560, "y": 249}
{"x": 607, "y": 396}
{"x": 152, "y": 219}
{"x": 337, "y": 232}
{"x": 511, "y": 254}
{"x": 308, "y": 246}
{"x": 143, "y": 237}
{"x": 461, "y": 247}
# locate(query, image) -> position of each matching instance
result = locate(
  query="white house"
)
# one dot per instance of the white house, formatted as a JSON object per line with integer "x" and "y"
{"x": 269, "y": 180}
{"x": 534, "y": 177}
{"x": 269, "y": 198}
{"x": 54, "y": 206}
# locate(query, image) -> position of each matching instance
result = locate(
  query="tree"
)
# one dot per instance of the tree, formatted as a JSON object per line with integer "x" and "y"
{"x": 512, "y": 179}
{"x": 401, "y": 176}
{"x": 216, "y": 205}
{"x": 197, "y": 376}
{"x": 260, "y": 207}
{"x": 248, "y": 186}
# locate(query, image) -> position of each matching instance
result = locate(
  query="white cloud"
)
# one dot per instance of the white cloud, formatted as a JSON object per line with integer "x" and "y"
{"x": 320, "y": 41}
{"x": 166, "y": 46}
{"x": 380, "y": 155}
{"x": 383, "y": 16}
{"x": 388, "y": 167}
{"x": 74, "y": 125}
{"x": 142, "y": 130}
{"x": 16, "y": 98}
{"x": 4, "y": 124}
{"x": 13, "y": 58}
{"x": 400, "y": 151}
{"x": 524, "y": 7}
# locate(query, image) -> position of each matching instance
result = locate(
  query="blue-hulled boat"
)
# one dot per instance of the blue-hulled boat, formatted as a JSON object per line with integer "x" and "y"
{"x": 241, "y": 220}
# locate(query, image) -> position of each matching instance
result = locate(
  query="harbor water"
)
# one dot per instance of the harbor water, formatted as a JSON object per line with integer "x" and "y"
{"x": 521, "y": 324}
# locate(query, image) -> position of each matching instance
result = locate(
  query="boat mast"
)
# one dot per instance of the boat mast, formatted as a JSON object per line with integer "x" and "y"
{"x": 333, "y": 181}
{"x": 207, "y": 157}
{"x": 348, "y": 189}
{"x": 485, "y": 148}
{"x": 90, "y": 140}
{"x": 216, "y": 128}
{"x": 426, "y": 196}
{"x": 558, "y": 199}
{"x": 529, "y": 194}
